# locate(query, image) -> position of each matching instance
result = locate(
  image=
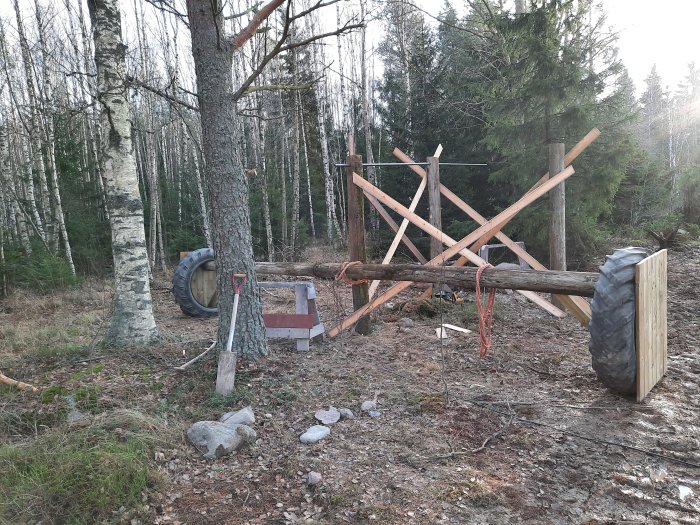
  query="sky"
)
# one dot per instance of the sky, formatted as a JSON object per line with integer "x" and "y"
{"x": 665, "y": 33}
{"x": 651, "y": 32}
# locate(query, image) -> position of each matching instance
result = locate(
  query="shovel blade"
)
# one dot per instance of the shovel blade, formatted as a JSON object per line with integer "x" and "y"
{"x": 226, "y": 373}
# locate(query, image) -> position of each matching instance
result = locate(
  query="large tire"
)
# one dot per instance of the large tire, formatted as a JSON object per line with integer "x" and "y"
{"x": 612, "y": 324}
{"x": 182, "y": 284}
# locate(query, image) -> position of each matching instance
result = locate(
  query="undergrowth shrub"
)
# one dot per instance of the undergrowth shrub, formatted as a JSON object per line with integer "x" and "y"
{"x": 80, "y": 476}
{"x": 42, "y": 271}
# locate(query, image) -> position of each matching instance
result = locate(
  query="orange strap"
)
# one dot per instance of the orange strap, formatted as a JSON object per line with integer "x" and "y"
{"x": 485, "y": 312}
{"x": 341, "y": 274}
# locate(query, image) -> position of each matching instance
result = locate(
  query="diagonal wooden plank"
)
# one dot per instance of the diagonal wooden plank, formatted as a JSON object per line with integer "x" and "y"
{"x": 459, "y": 247}
{"x": 404, "y": 224}
{"x": 392, "y": 224}
{"x": 402, "y": 230}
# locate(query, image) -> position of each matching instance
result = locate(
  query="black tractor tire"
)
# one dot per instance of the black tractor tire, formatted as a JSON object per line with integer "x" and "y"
{"x": 612, "y": 325}
{"x": 182, "y": 284}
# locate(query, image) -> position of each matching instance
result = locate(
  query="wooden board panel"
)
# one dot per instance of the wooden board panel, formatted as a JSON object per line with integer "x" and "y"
{"x": 203, "y": 286}
{"x": 288, "y": 320}
{"x": 651, "y": 329}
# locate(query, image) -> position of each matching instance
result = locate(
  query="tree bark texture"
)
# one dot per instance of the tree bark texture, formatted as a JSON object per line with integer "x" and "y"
{"x": 226, "y": 182}
{"x": 132, "y": 314}
{"x": 567, "y": 283}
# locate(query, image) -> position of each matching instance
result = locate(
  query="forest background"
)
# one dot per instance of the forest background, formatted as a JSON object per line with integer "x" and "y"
{"x": 494, "y": 83}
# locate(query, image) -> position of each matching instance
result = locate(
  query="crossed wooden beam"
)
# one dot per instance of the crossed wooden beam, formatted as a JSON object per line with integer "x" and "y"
{"x": 468, "y": 246}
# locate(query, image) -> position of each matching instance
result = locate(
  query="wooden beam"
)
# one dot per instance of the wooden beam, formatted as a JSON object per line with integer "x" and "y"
{"x": 392, "y": 224}
{"x": 402, "y": 230}
{"x": 459, "y": 247}
{"x": 580, "y": 283}
{"x": 357, "y": 249}
{"x": 435, "y": 214}
{"x": 651, "y": 322}
{"x": 557, "y": 213}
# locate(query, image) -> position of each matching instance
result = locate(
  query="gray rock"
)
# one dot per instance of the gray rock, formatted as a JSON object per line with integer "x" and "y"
{"x": 74, "y": 415}
{"x": 217, "y": 439}
{"x": 374, "y": 413}
{"x": 508, "y": 266}
{"x": 315, "y": 434}
{"x": 244, "y": 416}
{"x": 314, "y": 478}
{"x": 406, "y": 322}
{"x": 369, "y": 405}
{"x": 328, "y": 417}
{"x": 346, "y": 413}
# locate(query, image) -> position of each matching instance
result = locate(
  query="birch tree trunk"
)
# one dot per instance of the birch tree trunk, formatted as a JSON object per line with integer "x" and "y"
{"x": 312, "y": 222}
{"x": 132, "y": 320}
{"x": 226, "y": 182}
{"x": 329, "y": 189}
{"x": 369, "y": 156}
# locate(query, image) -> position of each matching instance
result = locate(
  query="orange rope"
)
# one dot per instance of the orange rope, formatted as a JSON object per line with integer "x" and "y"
{"x": 341, "y": 274}
{"x": 485, "y": 312}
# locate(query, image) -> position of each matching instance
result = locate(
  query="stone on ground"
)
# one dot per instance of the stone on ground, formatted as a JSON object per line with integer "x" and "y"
{"x": 216, "y": 439}
{"x": 314, "y": 478}
{"x": 328, "y": 417}
{"x": 244, "y": 416}
{"x": 406, "y": 322}
{"x": 346, "y": 413}
{"x": 368, "y": 406}
{"x": 315, "y": 434}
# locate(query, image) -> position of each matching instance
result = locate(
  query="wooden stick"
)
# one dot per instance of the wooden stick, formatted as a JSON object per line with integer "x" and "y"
{"x": 402, "y": 230}
{"x": 505, "y": 215}
{"x": 19, "y": 384}
{"x": 392, "y": 224}
{"x": 195, "y": 359}
{"x": 404, "y": 224}
{"x": 357, "y": 248}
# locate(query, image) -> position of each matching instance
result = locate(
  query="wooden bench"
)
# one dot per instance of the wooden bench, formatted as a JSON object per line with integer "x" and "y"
{"x": 304, "y": 324}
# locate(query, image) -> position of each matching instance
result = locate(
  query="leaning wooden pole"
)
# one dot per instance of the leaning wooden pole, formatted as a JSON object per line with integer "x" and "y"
{"x": 357, "y": 249}
{"x": 579, "y": 283}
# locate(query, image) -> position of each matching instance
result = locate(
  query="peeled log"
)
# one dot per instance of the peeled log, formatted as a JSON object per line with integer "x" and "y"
{"x": 557, "y": 282}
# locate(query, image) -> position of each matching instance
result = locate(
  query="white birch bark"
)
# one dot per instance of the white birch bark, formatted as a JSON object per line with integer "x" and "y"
{"x": 132, "y": 320}
{"x": 305, "y": 144}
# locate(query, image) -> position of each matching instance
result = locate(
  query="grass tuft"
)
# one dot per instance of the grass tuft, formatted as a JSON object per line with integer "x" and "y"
{"x": 80, "y": 476}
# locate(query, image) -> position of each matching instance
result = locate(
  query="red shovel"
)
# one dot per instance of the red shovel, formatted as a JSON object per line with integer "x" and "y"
{"x": 226, "y": 373}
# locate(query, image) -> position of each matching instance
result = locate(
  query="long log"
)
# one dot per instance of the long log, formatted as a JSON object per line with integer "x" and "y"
{"x": 570, "y": 283}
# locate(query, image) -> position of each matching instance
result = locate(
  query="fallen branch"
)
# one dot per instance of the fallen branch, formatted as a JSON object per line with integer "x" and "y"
{"x": 19, "y": 384}
{"x": 493, "y": 436}
{"x": 195, "y": 359}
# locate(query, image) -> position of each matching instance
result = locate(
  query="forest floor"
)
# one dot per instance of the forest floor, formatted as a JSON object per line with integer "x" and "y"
{"x": 562, "y": 448}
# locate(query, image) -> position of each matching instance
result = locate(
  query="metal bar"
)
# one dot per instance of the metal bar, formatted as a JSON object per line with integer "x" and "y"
{"x": 411, "y": 164}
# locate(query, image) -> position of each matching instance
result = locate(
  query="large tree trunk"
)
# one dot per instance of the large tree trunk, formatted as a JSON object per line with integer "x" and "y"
{"x": 132, "y": 315}
{"x": 226, "y": 181}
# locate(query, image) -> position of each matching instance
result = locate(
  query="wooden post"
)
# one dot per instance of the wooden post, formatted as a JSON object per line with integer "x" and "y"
{"x": 357, "y": 249}
{"x": 557, "y": 217}
{"x": 433, "y": 177}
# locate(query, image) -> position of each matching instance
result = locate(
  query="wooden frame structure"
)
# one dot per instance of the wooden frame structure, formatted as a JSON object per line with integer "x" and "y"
{"x": 466, "y": 247}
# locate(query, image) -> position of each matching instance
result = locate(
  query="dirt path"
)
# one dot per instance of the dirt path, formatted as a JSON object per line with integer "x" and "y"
{"x": 551, "y": 461}
{"x": 551, "y": 458}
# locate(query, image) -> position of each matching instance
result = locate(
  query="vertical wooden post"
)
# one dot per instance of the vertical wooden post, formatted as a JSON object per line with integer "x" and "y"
{"x": 435, "y": 219}
{"x": 557, "y": 216}
{"x": 357, "y": 249}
